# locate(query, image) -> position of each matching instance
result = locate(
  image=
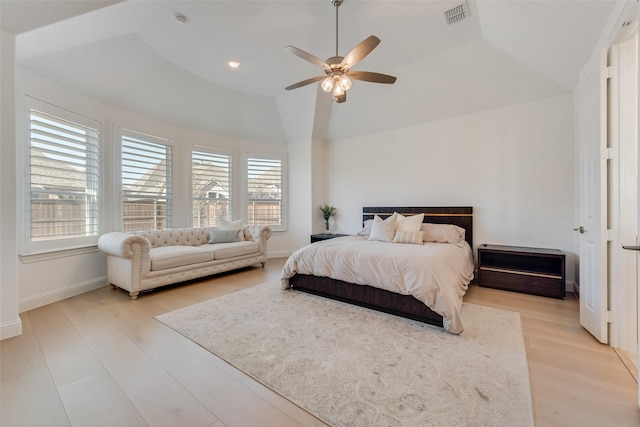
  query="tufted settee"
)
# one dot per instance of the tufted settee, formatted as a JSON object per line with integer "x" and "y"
{"x": 150, "y": 259}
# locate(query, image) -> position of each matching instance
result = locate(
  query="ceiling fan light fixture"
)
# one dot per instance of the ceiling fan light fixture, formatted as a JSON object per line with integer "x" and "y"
{"x": 327, "y": 84}
{"x": 344, "y": 82}
{"x": 338, "y": 73}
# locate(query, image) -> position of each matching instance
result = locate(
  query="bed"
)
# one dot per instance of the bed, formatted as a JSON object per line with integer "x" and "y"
{"x": 354, "y": 269}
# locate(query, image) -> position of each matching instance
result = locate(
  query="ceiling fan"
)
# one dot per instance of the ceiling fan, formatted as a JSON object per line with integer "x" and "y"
{"x": 338, "y": 69}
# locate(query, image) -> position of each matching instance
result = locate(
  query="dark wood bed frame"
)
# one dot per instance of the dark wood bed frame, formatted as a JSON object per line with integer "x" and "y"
{"x": 380, "y": 299}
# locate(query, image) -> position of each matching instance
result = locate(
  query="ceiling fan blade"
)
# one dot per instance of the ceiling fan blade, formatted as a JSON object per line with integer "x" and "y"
{"x": 367, "y": 76}
{"x": 305, "y": 82}
{"x": 359, "y": 52}
{"x": 308, "y": 57}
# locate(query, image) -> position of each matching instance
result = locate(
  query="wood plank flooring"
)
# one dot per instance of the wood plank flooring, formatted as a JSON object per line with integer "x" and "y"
{"x": 100, "y": 359}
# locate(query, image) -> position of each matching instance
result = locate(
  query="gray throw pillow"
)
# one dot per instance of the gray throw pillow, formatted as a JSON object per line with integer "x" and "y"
{"x": 224, "y": 236}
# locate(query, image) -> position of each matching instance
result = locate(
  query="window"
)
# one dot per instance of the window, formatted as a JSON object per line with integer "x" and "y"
{"x": 63, "y": 171}
{"x": 266, "y": 191}
{"x": 211, "y": 187}
{"x": 146, "y": 182}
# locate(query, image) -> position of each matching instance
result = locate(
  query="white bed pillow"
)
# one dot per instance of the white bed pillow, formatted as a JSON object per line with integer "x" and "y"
{"x": 410, "y": 237}
{"x": 237, "y": 224}
{"x": 383, "y": 231}
{"x": 367, "y": 228}
{"x": 409, "y": 223}
{"x": 443, "y": 233}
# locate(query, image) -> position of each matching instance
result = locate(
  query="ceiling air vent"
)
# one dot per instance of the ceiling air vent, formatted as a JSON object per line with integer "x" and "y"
{"x": 457, "y": 13}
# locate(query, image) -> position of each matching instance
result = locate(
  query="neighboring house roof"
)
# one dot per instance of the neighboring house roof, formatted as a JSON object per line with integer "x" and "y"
{"x": 48, "y": 173}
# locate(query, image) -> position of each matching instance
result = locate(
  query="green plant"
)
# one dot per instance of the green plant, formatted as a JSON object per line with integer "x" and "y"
{"x": 327, "y": 212}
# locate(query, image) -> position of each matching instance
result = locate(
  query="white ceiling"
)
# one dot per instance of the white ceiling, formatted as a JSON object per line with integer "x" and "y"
{"x": 134, "y": 55}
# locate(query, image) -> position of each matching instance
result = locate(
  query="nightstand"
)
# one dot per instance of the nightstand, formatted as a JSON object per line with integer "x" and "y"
{"x": 318, "y": 237}
{"x": 528, "y": 270}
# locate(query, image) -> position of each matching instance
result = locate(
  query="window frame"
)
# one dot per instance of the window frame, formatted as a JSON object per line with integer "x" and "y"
{"x": 284, "y": 190}
{"x": 26, "y": 245}
{"x": 231, "y": 180}
{"x": 152, "y": 139}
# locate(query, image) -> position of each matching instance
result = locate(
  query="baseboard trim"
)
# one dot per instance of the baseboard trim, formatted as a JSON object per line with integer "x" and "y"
{"x": 59, "y": 294}
{"x": 279, "y": 254}
{"x": 11, "y": 329}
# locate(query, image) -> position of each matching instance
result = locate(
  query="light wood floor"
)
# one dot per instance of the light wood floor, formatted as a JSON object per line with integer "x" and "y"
{"x": 100, "y": 359}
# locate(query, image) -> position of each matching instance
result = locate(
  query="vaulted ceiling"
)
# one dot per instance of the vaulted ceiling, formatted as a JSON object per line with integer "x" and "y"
{"x": 134, "y": 55}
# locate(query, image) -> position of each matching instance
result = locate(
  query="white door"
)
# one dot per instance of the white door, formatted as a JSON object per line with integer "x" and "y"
{"x": 629, "y": 120}
{"x": 591, "y": 103}
{"x": 623, "y": 121}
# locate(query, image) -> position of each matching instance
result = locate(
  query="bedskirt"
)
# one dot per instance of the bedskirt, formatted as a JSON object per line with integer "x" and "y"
{"x": 367, "y": 296}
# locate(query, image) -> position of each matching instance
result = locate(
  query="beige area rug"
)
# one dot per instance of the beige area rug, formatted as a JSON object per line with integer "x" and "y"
{"x": 351, "y": 366}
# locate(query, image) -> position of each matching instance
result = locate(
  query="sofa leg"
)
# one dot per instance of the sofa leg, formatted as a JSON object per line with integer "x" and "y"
{"x": 134, "y": 295}
{"x": 113, "y": 287}
{"x": 263, "y": 264}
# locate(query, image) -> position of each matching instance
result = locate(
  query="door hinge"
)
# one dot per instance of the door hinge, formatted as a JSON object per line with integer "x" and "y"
{"x": 608, "y": 315}
{"x": 609, "y": 234}
{"x": 608, "y": 72}
{"x": 609, "y": 153}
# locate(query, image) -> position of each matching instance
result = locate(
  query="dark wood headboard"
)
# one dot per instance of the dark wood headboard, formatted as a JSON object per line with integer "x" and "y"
{"x": 460, "y": 216}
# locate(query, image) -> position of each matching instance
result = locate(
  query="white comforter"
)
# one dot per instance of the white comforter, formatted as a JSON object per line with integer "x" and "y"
{"x": 437, "y": 274}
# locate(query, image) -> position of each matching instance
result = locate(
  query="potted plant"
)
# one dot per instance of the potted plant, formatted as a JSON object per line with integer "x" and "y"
{"x": 327, "y": 212}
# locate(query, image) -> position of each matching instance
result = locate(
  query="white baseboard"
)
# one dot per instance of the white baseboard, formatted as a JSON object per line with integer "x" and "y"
{"x": 279, "y": 254}
{"x": 11, "y": 329}
{"x": 569, "y": 286}
{"x": 60, "y": 294}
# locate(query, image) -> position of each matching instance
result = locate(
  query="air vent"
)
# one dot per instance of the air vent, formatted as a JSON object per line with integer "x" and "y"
{"x": 457, "y": 13}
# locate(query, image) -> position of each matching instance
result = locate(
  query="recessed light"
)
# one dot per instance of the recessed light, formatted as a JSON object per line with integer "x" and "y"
{"x": 233, "y": 64}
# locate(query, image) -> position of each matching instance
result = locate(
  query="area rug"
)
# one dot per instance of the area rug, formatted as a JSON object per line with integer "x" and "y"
{"x": 351, "y": 366}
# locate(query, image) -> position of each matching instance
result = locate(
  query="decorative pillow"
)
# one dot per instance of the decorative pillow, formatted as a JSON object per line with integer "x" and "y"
{"x": 383, "y": 230}
{"x": 411, "y": 237}
{"x": 224, "y": 236}
{"x": 367, "y": 228}
{"x": 223, "y": 224}
{"x": 443, "y": 233}
{"x": 409, "y": 223}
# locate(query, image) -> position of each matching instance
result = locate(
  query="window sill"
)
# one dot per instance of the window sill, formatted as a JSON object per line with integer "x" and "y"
{"x": 59, "y": 253}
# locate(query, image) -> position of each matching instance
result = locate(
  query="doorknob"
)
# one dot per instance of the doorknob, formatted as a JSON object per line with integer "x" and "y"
{"x": 579, "y": 229}
{"x": 631, "y": 248}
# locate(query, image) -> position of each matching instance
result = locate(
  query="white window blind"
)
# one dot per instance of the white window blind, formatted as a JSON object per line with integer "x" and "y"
{"x": 265, "y": 192}
{"x": 211, "y": 187}
{"x": 146, "y": 182}
{"x": 63, "y": 177}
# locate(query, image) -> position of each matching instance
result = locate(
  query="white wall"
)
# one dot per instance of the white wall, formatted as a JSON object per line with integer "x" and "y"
{"x": 10, "y": 323}
{"x": 514, "y": 165}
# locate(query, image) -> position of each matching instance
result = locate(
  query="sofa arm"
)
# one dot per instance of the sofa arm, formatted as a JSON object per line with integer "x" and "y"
{"x": 257, "y": 233}
{"x": 122, "y": 244}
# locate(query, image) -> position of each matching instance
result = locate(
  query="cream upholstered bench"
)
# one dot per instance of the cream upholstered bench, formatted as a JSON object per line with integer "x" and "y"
{"x": 150, "y": 259}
